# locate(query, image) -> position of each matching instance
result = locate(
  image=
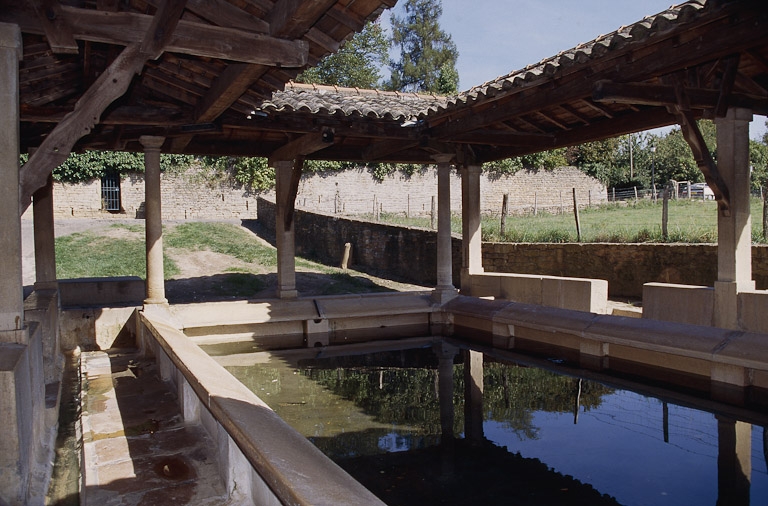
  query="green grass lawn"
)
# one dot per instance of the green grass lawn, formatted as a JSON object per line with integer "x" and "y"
{"x": 691, "y": 221}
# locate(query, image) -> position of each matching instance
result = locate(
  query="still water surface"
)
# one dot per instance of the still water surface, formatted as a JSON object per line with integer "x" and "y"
{"x": 638, "y": 450}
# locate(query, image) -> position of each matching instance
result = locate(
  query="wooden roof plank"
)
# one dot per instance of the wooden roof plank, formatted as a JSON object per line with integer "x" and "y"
{"x": 57, "y": 31}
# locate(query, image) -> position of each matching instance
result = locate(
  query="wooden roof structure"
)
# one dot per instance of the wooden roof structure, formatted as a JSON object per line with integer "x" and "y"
{"x": 210, "y": 76}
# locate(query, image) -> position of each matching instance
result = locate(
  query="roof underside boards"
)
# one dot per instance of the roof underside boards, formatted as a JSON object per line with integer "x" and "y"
{"x": 212, "y": 92}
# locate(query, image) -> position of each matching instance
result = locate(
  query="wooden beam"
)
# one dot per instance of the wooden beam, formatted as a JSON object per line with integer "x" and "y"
{"x": 381, "y": 150}
{"x": 303, "y": 146}
{"x": 727, "y": 81}
{"x": 226, "y": 89}
{"x": 292, "y": 18}
{"x": 224, "y": 14}
{"x": 57, "y": 31}
{"x": 110, "y": 85}
{"x": 293, "y": 191}
{"x": 197, "y": 39}
{"x": 502, "y": 138}
{"x": 666, "y": 96}
{"x": 704, "y": 159}
{"x": 161, "y": 28}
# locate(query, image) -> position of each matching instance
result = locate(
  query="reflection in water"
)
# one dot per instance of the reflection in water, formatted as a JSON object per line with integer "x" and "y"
{"x": 379, "y": 416}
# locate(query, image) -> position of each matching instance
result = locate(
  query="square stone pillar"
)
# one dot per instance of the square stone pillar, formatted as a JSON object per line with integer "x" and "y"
{"x": 153, "y": 220}
{"x": 471, "y": 240}
{"x": 444, "y": 291}
{"x": 734, "y": 232}
{"x": 45, "y": 239}
{"x": 284, "y": 232}
{"x": 11, "y": 284}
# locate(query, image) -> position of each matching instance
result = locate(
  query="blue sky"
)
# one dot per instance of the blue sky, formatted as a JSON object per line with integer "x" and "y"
{"x": 495, "y": 37}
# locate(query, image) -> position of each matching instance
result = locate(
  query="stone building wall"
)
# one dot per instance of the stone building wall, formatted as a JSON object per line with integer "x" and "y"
{"x": 410, "y": 254}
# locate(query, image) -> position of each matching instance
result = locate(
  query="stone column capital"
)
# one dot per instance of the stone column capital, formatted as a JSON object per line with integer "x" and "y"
{"x": 737, "y": 114}
{"x": 443, "y": 158}
{"x": 10, "y": 38}
{"x": 151, "y": 142}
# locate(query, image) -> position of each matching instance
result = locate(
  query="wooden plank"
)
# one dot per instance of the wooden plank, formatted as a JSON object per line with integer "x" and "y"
{"x": 161, "y": 28}
{"x": 226, "y": 89}
{"x": 197, "y": 39}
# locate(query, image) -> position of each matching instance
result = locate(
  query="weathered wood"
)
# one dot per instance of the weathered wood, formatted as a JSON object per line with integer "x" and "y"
{"x": 504, "y": 212}
{"x": 56, "y": 147}
{"x": 304, "y": 145}
{"x": 124, "y": 28}
{"x": 704, "y": 160}
{"x": 726, "y": 85}
{"x": 161, "y": 28}
{"x": 229, "y": 86}
{"x": 292, "y": 18}
{"x": 56, "y": 29}
{"x": 576, "y": 216}
{"x": 293, "y": 190}
{"x": 224, "y": 14}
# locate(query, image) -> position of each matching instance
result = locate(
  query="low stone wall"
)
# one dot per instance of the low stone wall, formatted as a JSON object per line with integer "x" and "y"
{"x": 410, "y": 254}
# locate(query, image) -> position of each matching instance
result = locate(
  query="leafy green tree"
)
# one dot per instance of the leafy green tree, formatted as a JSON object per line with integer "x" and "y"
{"x": 356, "y": 64}
{"x": 427, "y": 54}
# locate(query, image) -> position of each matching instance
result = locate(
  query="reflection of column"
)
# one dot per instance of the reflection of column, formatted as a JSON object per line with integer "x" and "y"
{"x": 284, "y": 233}
{"x": 11, "y": 284}
{"x": 445, "y": 289}
{"x": 734, "y": 232}
{"x": 734, "y": 464}
{"x": 153, "y": 220}
{"x": 45, "y": 251}
{"x": 473, "y": 395}
{"x": 471, "y": 240}
{"x": 445, "y": 354}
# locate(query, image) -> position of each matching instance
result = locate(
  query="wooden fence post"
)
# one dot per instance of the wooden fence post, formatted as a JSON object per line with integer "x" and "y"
{"x": 576, "y": 215}
{"x": 665, "y": 213}
{"x": 433, "y": 215}
{"x": 635, "y": 187}
{"x": 504, "y": 211}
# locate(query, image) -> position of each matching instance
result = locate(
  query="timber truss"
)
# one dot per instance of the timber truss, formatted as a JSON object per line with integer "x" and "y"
{"x": 210, "y": 76}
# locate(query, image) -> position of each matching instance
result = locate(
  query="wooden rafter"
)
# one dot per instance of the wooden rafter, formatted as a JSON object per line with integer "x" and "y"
{"x": 110, "y": 85}
{"x": 303, "y": 146}
{"x": 197, "y": 39}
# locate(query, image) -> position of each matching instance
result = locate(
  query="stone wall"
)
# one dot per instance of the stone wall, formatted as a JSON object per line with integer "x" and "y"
{"x": 354, "y": 192}
{"x": 185, "y": 196}
{"x": 192, "y": 195}
{"x": 410, "y": 254}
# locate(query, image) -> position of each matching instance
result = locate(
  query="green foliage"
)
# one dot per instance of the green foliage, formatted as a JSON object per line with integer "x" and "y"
{"x": 547, "y": 160}
{"x": 758, "y": 158}
{"x": 427, "y": 54}
{"x": 356, "y": 64}
{"x": 252, "y": 172}
{"x": 89, "y": 165}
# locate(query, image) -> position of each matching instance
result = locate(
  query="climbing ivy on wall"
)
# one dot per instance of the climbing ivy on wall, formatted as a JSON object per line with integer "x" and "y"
{"x": 95, "y": 164}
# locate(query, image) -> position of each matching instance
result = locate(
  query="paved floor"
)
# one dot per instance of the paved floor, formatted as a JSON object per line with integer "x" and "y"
{"x": 136, "y": 448}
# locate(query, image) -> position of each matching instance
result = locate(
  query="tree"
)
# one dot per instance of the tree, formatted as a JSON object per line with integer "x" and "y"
{"x": 357, "y": 64}
{"x": 427, "y": 54}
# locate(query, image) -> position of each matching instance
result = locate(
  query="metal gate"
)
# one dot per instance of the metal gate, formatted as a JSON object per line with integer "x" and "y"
{"x": 110, "y": 191}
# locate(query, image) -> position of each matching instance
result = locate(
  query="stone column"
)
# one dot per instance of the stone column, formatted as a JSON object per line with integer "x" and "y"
{"x": 445, "y": 290}
{"x": 153, "y": 220}
{"x": 734, "y": 232}
{"x": 445, "y": 355}
{"x": 11, "y": 284}
{"x": 471, "y": 240}
{"x": 473, "y": 395}
{"x": 45, "y": 240}
{"x": 284, "y": 233}
{"x": 734, "y": 461}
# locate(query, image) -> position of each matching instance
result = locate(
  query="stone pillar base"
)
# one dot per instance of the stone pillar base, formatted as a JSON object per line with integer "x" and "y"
{"x": 16, "y": 419}
{"x": 287, "y": 294}
{"x": 443, "y": 294}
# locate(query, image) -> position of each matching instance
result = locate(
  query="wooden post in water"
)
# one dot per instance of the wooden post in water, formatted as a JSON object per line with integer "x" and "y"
{"x": 665, "y": 213}
{"x": 577, "y": 403}
{"x": 504, "y": 211}
{"x": 665, "y": 421}
{"x": 576, "y": 215}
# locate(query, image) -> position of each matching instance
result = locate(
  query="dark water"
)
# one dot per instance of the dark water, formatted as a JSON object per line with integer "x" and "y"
{"x": 378, "y": 415}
